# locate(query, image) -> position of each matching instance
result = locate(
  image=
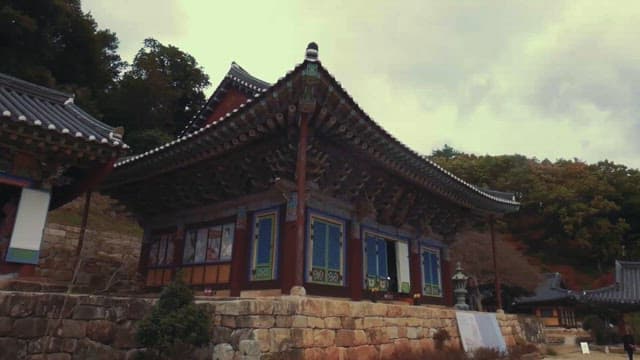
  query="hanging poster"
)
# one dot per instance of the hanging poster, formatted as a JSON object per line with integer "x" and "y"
{"x": 162, "y": 251}
{"x": 213, "y": 246}
{"x": 190, "y": 247}
{"x": 201, "y": 246}
{"x": 227, "y": 242}
{"x": 169, "y": 258}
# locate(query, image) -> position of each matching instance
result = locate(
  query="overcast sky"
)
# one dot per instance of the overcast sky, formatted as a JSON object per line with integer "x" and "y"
{"x": 549, "y": 79}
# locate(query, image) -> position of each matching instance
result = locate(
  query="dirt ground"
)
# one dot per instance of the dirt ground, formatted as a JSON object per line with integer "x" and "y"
{"x": 574, "y": 353}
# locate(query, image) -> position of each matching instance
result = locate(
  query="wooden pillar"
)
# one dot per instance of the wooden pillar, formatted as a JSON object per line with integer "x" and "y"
{"x": 301, "y": 183}
{"x": 178, "y": 247}
{"x": 144, "y": 252}
{"x": 415, "y": 272}
{"x": 495, "y": 263}
{"x": 447, "y": 286}
{"x": 240, "y": 253}
{"x": 354, "y": 262}
{"x": 287, "y": 247}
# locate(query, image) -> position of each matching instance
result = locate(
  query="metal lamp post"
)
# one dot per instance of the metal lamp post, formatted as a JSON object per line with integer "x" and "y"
{"x": 460, "y": 288}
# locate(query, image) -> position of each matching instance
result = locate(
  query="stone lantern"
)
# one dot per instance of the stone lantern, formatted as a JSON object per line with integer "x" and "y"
{"x": 460, "y": 288}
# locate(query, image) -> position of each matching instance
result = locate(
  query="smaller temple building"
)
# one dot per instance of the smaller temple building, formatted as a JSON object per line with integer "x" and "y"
{"x": 551, "y": 302}
{"x": 275, "y": 187}
{"x": 624, "y": 294}
{"x": 50, "y": 152}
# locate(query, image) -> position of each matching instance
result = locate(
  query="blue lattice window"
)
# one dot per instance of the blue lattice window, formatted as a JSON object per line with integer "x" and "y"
{"x": 326, "y": 251}
{"x": 264, "y": 249}
{"x": 431, "y": 277}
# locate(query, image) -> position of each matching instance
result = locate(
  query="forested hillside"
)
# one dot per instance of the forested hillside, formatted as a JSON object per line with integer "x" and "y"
{"x": 572, "y": 213}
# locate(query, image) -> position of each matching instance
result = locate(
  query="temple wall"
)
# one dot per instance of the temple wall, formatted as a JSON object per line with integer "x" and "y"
{"x": 288, "y": 327}
{"x": 104, "y": 254}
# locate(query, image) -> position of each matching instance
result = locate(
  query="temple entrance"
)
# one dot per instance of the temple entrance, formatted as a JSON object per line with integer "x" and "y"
{"x": 9, "y": 200}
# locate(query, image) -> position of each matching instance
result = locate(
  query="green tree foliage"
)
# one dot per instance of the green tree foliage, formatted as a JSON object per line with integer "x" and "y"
{"x": 157, "y": 96}
{"x": 571, "y": 212}
{"x": 175, "y": 326}
{"x": 53, "y": 43}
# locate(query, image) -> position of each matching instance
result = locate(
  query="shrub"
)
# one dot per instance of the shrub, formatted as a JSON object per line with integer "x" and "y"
{"x": 176, "y": 326}
{"x": 440, "y": 337}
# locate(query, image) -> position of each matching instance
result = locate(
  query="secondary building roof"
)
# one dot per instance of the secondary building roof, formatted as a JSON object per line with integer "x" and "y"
{"x": 549, "y": 290}
{"x": 50, "y": 118}
{"x": 625, "y": 290}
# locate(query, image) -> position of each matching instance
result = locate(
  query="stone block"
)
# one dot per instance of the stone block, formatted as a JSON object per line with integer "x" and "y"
{"x": 236, "y": 336}
{"x": 249, "y": 348}
{"x": 335, "y": 353}
{"x": 301, "y": 337}
{"x": 315, "y": 322}
{"x": 364, "y": 352}
{"x": 332, "y": 322}
{"x": 72, "y": 329}
{"x": 88, "y": 349}
{"x": 88, "y": 312}
{"x": 285, "y": 306}
{"x": 223, "y": 352}
{"x": 137, "y": 309}
{"x": 378, "y": 309}
{"x": 314, "y": 354}
{"x": 388, "y": 352}
{"x": 395, "y": 310}
{"x": 102, "y": 331}
{"x": 13, "y": 348}
{"x": 392, "y": 332}
{"x": 313, "y": 307}
{"x": 6, "y": 323}
{"x": 338, "y": 308}
{"x": 377, "y": 336}
{"x": 349, "y": 338}
{"x": 263, "y": 336}
{"x": 69, "y": 345}
{"x": 125, "y": 337}
{"x": 324, "y": 338}
{"x": 412, "y": 332}
{"x": 281, "y": 340}
{"x": 255, "y": 321}
{"x": 228, "y": 321}
{"x": 298, "y": 321}
{"x": 29, "y": 327}
{"x": 372, "y": 322}
{"x": 283, "y": 321}
{"x": 260, "y": 307}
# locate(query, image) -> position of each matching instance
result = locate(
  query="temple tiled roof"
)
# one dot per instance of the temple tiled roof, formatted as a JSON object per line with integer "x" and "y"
{"x": 53, "y": 111}
{"x": 380, "y": 144}
{"x": 625, "y": 290}
{"x": 236, "y": 77}
{"x": 550, "y": 289}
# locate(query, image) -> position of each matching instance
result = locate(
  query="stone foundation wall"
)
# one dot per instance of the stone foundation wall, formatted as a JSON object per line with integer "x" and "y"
{"x": 288, "y": 327}
{"x": 104, "y": 254}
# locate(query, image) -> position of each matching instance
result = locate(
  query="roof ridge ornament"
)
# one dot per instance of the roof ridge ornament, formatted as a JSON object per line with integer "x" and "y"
{"x": 312, "y": 52}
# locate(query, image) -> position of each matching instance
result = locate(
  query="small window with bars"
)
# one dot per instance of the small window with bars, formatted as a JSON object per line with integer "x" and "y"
{"x": 264, "y": 246}
{"x": 431, "y": 275}
{"x": 326, "y": 251}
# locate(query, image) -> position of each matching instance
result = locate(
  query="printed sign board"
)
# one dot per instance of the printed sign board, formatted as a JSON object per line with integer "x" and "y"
{"x": 479, "y": 330}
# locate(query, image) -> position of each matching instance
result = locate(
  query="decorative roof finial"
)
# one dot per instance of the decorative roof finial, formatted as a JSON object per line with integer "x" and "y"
{"x": 312, "y": 52}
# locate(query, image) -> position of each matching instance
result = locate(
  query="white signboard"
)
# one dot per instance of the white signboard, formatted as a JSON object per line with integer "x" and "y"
{"x": 584, "y": 347}
{"x": 479, "y": 330}
{"x": 29, "y": 226}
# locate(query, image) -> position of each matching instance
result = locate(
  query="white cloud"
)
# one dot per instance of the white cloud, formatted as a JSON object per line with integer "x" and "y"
{"x": 548, "y": 79}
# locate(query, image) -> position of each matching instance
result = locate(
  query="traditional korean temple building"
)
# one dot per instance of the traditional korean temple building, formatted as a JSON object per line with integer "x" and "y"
{"x": 273, "y": 187}
{"x": 624, "y": 294}
{"x": 551, "y": 302}
{"x": 50, "y": 152}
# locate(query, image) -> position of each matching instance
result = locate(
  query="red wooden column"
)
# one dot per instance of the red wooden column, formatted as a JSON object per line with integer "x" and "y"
{"x": 354, "y": 262}
{"x": 495, "y": 263}
{"x": 144, "y": 252}
{"x": 287, "y": 248}
{"x": 447, "y": 283}
{"x": 301, "y": 184}
{"x": 240, "y": 254}
{"x": 178, "y": 248}
{"x": 414, "y": 268}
